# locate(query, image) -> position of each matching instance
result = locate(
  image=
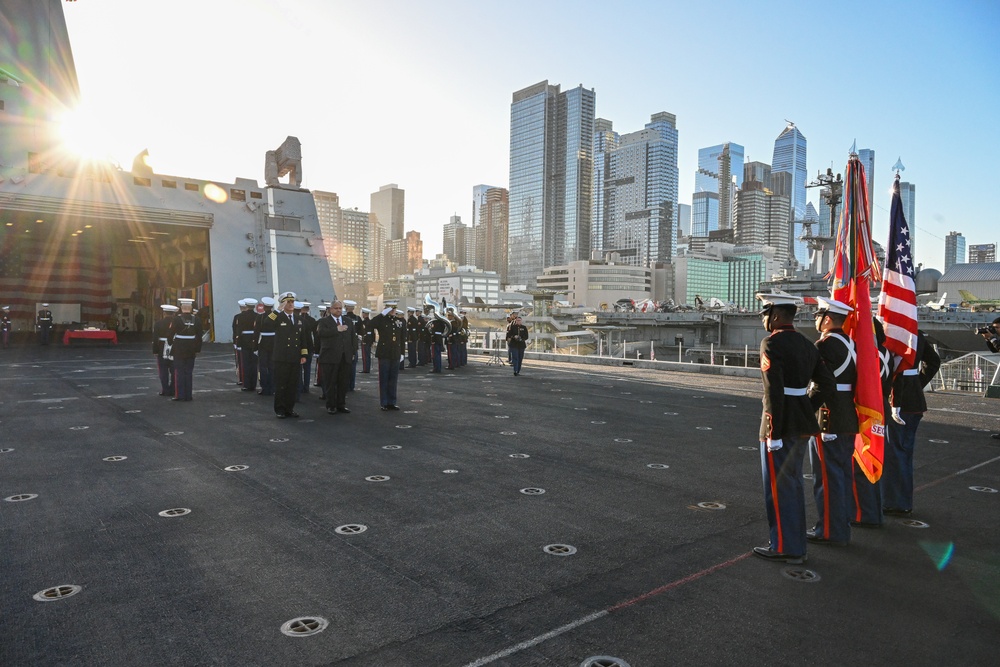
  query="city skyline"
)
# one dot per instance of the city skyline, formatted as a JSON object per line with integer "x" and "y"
{"x": 357, "y": 135}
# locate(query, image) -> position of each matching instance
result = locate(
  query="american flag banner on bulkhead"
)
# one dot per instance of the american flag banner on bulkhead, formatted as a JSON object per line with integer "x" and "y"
{"x": 897, "y": 302}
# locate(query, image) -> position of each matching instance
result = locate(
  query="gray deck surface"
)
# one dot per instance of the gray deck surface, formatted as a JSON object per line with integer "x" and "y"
{"x": 451, "y": 569}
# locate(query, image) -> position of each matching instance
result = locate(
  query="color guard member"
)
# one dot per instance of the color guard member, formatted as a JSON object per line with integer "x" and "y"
{"x": 185, "y": 343}
{"x": 161, "y": 335}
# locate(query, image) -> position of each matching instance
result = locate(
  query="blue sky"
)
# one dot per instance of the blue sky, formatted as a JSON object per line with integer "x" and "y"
{"x": 419, "y": 94}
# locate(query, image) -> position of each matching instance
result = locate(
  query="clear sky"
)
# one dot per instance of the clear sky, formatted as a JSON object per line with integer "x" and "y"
{"x": 418, "y": 93}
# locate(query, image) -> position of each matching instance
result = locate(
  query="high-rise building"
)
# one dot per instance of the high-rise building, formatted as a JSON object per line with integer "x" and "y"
{"x": 491, "y": 233}
{"x": 983, "y": 253}
{"x": 346, "y": 237}
{"x": 455, "y": 243}
{"x": 551, "y": 177}
{"x": 387, "y": 208}
{"x": 683, "y": 219}
{"x": 720, "y": 170}
{"x": 640, "y": 190}
{"x": 954, "y": 250}
{"x": 479, "y": 193}
{"x": 762, "y": 218}
{"x": 704, "y": 213}
{"x": 867, "y": 158}
{"x": 908, "y": 193}
{"x": 605, "y": 140}
{"x": 790, "y": 157}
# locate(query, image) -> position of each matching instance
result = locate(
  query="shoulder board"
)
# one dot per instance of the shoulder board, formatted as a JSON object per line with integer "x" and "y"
{"x": 273, "y": 315}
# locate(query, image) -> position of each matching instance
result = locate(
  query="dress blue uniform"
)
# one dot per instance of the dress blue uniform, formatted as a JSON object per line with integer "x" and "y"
{"x": 185, "y": 342}
{"x": 161, "y": 335}
{"x": 388, "y": 350}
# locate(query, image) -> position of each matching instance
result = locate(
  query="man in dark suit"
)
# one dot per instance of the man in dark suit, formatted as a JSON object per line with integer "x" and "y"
{"x": 337, "y": 350}
{"x": 289, "y": 354}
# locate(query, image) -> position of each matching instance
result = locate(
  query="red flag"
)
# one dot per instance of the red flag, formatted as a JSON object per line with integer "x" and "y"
{"x": 854, "y": 270}
{"x": 897, "y": 303}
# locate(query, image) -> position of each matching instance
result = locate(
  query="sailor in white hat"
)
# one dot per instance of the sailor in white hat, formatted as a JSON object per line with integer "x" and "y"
{"x": 389, "y": 349}
{"x": 242, "y": 303}
{"x": 290, "y": 353}
{"x": 185, "y": 343}
{"x": 43, "y": 323}
{"x": 6, "y": 326}
{"x": 264, "y": 344}
{"x": 788, "y": 362}
{"x": 412, "y": 335}
{"x": 164, "y": 359}
{"x": 367, "y": 334}
{"x": 349, "y": 314}
{"x": 832, "y": 453}
{"x": 244, "y": 330}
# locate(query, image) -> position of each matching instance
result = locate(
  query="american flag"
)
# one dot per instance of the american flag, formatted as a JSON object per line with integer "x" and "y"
{"x": 897, "y": 303}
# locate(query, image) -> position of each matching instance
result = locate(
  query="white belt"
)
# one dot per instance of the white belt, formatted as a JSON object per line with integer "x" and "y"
{"x": 270, "y": 333}
{"x": 163, "y": 339}
{"x": 184, "y": 337}
{"x": 248, "y": 333}
{"x": 911, "y": 371}
{"x": 845, "y": 387}
{"x": 795, "y": 391}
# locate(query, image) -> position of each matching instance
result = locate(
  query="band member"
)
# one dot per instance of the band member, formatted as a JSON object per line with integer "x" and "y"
{"x": 185, "y": 343}
{"x": 264, "y": 343}
{"x": 338, "y": 347}
{"x": 788, "y": 362}
{"x": 290, "y": 354}
{"x": 161, "y": 335}
{"x": 463, "y": 341}
{"x": 367, "y": 334}
{"x": 412, "y": 336}
{"x": 6, "y": 326}
{"x": 437, "y": 329}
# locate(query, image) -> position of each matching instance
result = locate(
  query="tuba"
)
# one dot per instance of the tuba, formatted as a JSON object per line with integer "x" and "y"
{"x": 434, "y": 311}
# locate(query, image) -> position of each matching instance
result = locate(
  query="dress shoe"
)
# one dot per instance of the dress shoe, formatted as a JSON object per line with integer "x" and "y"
{"x": 393, "y": 407}
{"x": 995, "y": 436}
{"x": 384, "y": 408}
{"x": 895, "y": 511}
{"x": 865, "y": 524}
{"x": 176, "y": 399}
{"x": 246, "y": 389}
{"x": 292, "y": 414}
{"x": 344, "y": 410}
{"x": 812, "y": 537}
{"x": 279, "y": 415}
{"x": 767, "y": 554}
{"x": 331, "y": 411}
{"x": 162, "y": 393}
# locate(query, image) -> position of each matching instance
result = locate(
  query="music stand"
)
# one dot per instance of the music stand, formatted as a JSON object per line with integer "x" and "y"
{"x": 495, "y": 358}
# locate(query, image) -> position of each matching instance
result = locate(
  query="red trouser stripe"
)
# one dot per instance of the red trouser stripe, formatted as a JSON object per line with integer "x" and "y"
{"x": 774, "y": 499}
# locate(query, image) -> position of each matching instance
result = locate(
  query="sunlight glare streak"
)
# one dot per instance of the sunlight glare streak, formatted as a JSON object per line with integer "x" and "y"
{"x": 214, "y": 193}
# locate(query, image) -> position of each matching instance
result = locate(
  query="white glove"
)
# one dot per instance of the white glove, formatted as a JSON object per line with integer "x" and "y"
{"x": 774, "y": 445}
{"x": 828, "y": 437}
{"x": 386, "y": 311}
{"x": 897, "y": 418}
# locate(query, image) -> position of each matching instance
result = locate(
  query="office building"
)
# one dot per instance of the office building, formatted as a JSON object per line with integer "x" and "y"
{"x": 491, "y": 233}
{"x": 346, "y": 239}
{"x": 640, "y": 190}
{"x": 790, "y": 157}
{"x": 596, "y": 283}
{"x": 724, "y": 271}
{"x": 387, "y": 208}
{"x": 455, "y": 241}
{"x": 683, "y": 220}
{"x": 462, "y": 285}
{"x": 982, "y": 253}
{"x": 762, "y": 218}
{"x": 720, "y": 170}
{"x": 605, "y": 140}
{"x": 551, "y": 174}
{"x": 867, "y": 158}
{"x": 954, "y": 250}
{"x": 908, "y": 193}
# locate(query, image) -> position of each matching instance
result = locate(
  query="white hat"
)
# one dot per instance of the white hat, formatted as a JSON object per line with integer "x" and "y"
{"x": 267, "y": 301}
{"x": 242, "y": 302}
{"x": 5, "y": 308}
{"x": 322, "y": 307}
{"x": 286, "y": 296}
{"x": 349, "y": 304}
{"x": 768, "y": 299}
{"x": 411, "y": 309}
{"x": 185, "y": 300}
{"x": 169, "y": 308}
{"x": 306, "y": 304}
{"x": 366, "y": 311}
{"x": 391, "y": 302}
{"x": 250, "y": 302}
{"x": 828, "y": 305}
{"x": 45, "y": 305}
{"x": 298, "y": 305}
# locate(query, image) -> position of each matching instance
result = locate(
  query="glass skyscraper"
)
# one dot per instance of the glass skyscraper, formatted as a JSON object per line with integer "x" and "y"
{"x": 867, "y": 157}
{"x": 640, "y": 193}
{"x": 954, "y": 250}
{"x": 908, "y": 193}
{"x": 605, "y": 140}
{"x": 720, "y": 170}
{"x": 790, "y": 156}
{"x": 551, "y": 176}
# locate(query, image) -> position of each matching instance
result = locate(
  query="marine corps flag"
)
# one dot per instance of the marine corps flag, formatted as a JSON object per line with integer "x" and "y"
{"x": 855, "y": 268}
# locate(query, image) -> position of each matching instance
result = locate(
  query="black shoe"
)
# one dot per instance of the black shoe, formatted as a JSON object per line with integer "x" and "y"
{"x": 393, "y": 407}
{"x": 767, "y": 554}
{"x": 811, "y": 536}
{"x": 292, "y": 414}
{"x": 317, "y": 385}
{"x": 995, "y": 436}
{"x": 895, "y": 511}
{"x": 176, "y": 399}
{"x": 865, "y": 524}
{"x": 344, "y": 410}
{"x": 384, "y": 408}
{"x": 246, "y": 389}
{"x": 280, "y": 415}
{"x": 162, "y": 393}
{"x": 331, "y": 411}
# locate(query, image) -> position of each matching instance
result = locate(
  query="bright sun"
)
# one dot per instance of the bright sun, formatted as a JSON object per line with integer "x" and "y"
{"x": 84, "y": 132}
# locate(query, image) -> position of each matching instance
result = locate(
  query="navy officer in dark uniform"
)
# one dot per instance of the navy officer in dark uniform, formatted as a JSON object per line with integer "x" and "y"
{"x": 161, "y": 336}
{"x": 788, "y": 361}
{"x": 391, "y": 331}
{"x": 289, "y": 355}
{"x": 245, "y": 327}
{"x": 832, "y": 450}
{"x": 264, "y": 342}
{"x": 185, "y": 343}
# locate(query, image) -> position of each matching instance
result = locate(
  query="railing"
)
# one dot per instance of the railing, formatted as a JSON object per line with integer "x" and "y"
{"x": 974, "y": 373}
